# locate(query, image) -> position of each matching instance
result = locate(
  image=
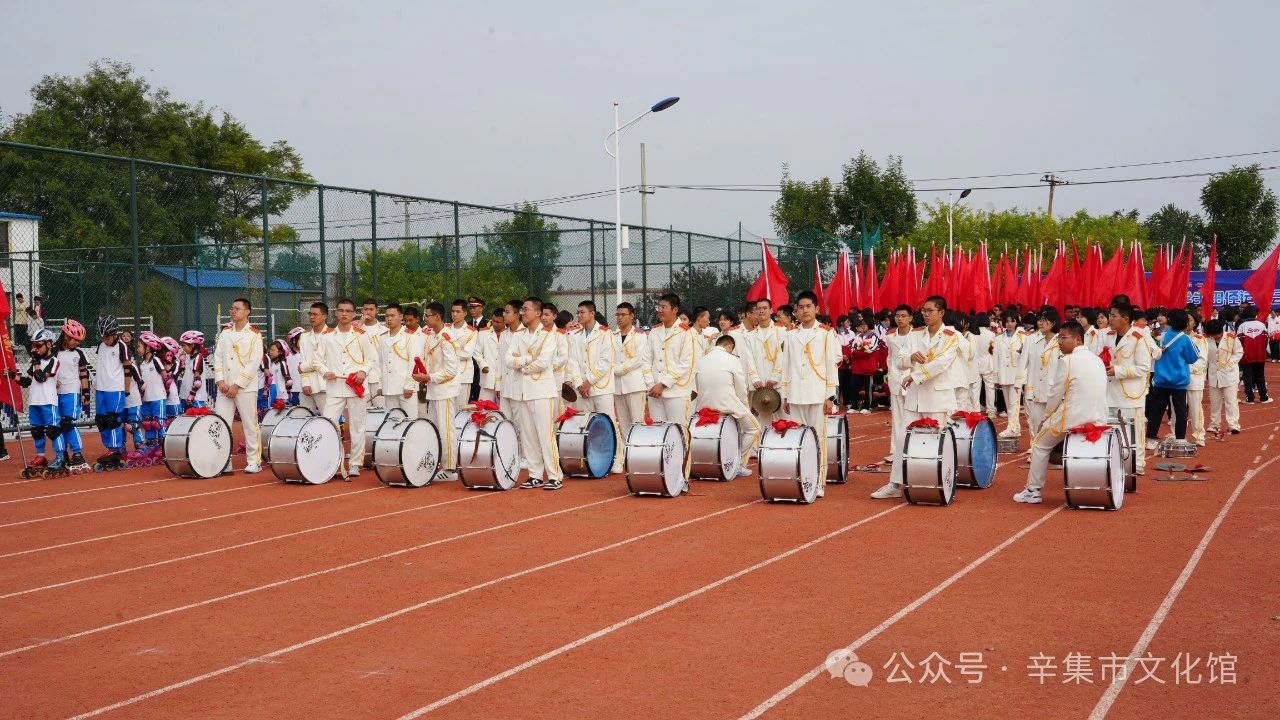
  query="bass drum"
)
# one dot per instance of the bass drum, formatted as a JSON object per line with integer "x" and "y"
{"x": 929, "y": 466}
{"x": 489, "y": 455}
{"x": 306, "y": 450}
{"x": 837, "y": 449}
{"x": 373, "y": 420}
{"x": 975, "y": 454}
{"x": 587, "y": 445}
{"x": 269, "y": 422}
{"x": 1129, "y": 450}
{"x": 655, "y": 460}
{"x": 713, "y": 449}
{"x": 197, "y": 446}
{"x": 1092, "y": 473}
{"x": 790, "y": 467}
{"x": 406, "y": 453}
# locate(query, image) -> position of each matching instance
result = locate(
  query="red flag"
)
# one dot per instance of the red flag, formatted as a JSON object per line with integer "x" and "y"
{"x": 10, "y": 392}
{"x": 1009, "y": 291}
{"x": 1111, "y": 277}
{"x": 1210, "y": 280}
{"x": 1073, "y": 279}
{"x": 1159, "y": 271}
{"x": 839, "y": 294}
{"x": 984, "y": 294}
{"x": 869, "y": 281}
{"x": 1089, "y": 271}
{"x": 1172, "y": 280}
{"x": 772, "y": 283}
{"x": 1183, "y": 286}
{"x": 1261, "y": 284}
{"x": 817, "y": 286}
{"x": 1135, "y": 284}
{"x": 934, "y": 284}
{"x": 1055, "y": 283}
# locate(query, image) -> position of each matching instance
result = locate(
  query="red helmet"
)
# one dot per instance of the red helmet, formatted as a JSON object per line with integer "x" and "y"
{"x": 151, "y": 340}
{"x": 73, "y": 329}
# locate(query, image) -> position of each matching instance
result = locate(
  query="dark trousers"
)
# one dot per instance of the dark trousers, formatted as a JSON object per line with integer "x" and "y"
{"x": 847, "y": 397}
{"x": 1158, "y": 400}
{"x": 1255, "y": 380}
{"x": 1273, "y": 349}
{"x": 862, "y": 387}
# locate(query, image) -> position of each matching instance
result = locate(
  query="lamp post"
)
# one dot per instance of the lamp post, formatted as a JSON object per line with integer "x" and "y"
{"x": 951, "y": 234}
{"x": 617, "y": 179}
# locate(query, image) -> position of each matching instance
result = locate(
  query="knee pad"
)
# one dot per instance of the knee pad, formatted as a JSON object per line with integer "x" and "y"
{"x": 53, "y": 431}
{"x": 102, "y": 422}
{"x": 66, "y": 424}
{"x": 113, "y": 421}
{"x": 37, "y": 432}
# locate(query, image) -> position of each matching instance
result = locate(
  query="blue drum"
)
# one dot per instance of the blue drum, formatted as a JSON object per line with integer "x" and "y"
{"x": 975, "y": 454}
{"x": 587, "y": 445}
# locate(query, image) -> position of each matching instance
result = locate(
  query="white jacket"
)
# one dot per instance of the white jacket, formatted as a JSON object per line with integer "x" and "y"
{"x": 346, "y": 353}
{"x": 932, "y": 383}
{"x": 673, "y": 358}
{"x": 810, "y": 356}
{"x": 396, "y": 360}
{"x": 722, "y": 383}
{"x": 1223, "y": 370}
{"x": 632, "y": 370}
{"x": 237, "y": 356}
{"x": 591, "y": 359}
{"x": 1079, "y": 392}
{"x": 1006, "y": 357}
{"x": 1132, "y": 358}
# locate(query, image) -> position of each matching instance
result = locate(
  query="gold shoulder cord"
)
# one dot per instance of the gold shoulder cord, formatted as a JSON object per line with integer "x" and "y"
{"x": 666, "y": 360}
{"x": 597, "y": 383}
{"x": 826, "y": 339}
{"x": 397, "y": 344}
{"x": 346, "y": 348}
{"x": 1146, "y": 384}
{"x": 533, "y": 353}
{"x": 1066, "y": 394}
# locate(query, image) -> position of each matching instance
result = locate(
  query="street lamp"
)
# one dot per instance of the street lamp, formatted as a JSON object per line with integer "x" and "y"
{"x": 951, "y": 235}
{"x": 617, "y": 178}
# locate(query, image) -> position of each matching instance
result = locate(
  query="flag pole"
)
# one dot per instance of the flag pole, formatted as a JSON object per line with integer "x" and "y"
{"x": 13, "y": 404}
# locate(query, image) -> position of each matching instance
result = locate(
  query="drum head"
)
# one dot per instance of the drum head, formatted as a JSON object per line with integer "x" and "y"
{"x": 673, "y": 460}
{"x": 317, "y": 447}
{"x": 730, "y": 452}
{"x": 947, "y": 466}
{"x": 837, "y": 448}
{"x": 1115, "y": 473}
{"x": 982, "y": 453}
{"x": 601, "y": 445}
{"x": 811, "y": 464}
{"x": 506, "y": 452}
{"x": 419, "y": 450}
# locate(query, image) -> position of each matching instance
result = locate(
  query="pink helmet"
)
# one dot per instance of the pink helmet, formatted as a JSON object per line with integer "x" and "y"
{"x": 170, "y": 343}
{"x": 192, "y": 337}
{"x": 73, "y": 329}
{"x": 151, "y": 340}
{"x": 294, "y": 333}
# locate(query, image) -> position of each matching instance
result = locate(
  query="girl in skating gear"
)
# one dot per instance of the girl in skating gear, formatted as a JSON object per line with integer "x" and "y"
{"x": 192, "y": 389}
{"x": 266, "y": 387}
{"x": 155, "y": 382}
{"x": 73, "y": 391}
{"x": 42, "y": 379}
{"x": 114, "y": 379}
{"x": 293, "y": 362}
{"x": 280, "y": 353}
{"x": 133, "y": 411}
{"x": 170, "y": 356}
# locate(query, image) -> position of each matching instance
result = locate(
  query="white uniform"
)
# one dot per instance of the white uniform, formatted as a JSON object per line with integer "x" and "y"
{"x": 1132, "y": 358}
{"x": 465, "y": 343}
{"x": 633, "y": 376}
{"x": 965, "y": 372}
{"x": 396, "y": 358}
{"x": 810, "y": 357}
{"x": 591, "y": 360}
{"x": 931, "y": 393}
{"x": 1223, "y": 375}
{"x": 721, "y": 382}
{"x": 1010, "y": 375}
{"x": 439, "y": 356}
{"x": 1195, "y": 391}
{"x": 983, "y": 343}
{"x": 742, "y": 348}
{"x": 673, "y": 359}
{"x": 1078, "y": 396}
{"x": 237, "y": 359}
{"x": 309, "y": 369}
{"x": 1038, "y": 357}
{"x": 897, "y": 368}
{"x": 534, "y": 390}
{"x": 489, "y": 360}
{"x": 373, "y": 383}
{"x": 343, "y": 354}
{"x": 765, "y": 347}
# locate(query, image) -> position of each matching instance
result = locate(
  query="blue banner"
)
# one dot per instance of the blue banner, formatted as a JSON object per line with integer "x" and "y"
{"x": 1227, "y": 288}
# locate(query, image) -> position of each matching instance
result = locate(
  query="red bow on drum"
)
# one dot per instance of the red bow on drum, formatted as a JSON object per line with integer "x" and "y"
{"x": 708, "y": 416}
{"x": 278, "y": 404}
{"x": 971, "y": 418}
{"x": 198, "y": 411}
{"x": 1091, "y": 431}
{"x": 648, "y": 420}
{"x": 782, "y": 426}
{"x": 924, "y": 423}
{"x": 568, "y": 413}
{"x": 486, "y": 406}
{"x": 356, "y": 385}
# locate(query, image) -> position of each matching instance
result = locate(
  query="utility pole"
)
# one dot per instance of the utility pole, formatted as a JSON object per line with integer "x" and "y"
{"x": 405, "y": 202}
{"x": 1053, "y": 181}
{"x": 645, "y": 191}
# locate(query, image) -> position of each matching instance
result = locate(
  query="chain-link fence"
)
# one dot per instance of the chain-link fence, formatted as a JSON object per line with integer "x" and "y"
{"x": 173, "y": 246}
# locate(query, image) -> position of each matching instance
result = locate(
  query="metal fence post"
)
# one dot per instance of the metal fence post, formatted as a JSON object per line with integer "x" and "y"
{"x": 457, "y": 244}
{"x": 324, "y": 274}
{"x": 80, "y": 283}
{"x": 644, "y": 261}
{"x": 592, "y": 226}
{"x": 729, "y": 280}
{"x": 266, "y": 260}
{"x": 373, "y": 244}
{"x": 133, "y": 240}
{"x": 688, "y": 258}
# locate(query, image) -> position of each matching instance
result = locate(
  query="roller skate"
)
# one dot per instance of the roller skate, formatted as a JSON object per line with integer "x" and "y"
{"x": 137, "y": 458}
{"x": 57, "y": 468}
{"x": 112, "y": 460}
{"x": 36, "y": 467}
{"x": 77, "y": 465}
{"x": 157, "y": 453}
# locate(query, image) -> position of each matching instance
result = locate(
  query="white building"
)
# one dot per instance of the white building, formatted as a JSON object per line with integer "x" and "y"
{"x": 20, "y": 254}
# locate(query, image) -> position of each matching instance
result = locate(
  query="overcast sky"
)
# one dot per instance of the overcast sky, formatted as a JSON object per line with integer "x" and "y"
{"x": 495, "y": 102}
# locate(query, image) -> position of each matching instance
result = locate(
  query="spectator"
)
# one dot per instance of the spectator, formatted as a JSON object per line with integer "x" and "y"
{"x": 1273, "y": 335}
{"x": 1253, "y": 338}
{"x": 1171, "y": 376}
{"x": 20, "y": 334}
{"x": 37, "y": 302}
{"x": 34, "y": 322}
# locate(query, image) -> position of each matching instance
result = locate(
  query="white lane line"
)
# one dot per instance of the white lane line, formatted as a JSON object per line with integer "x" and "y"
{"x": 238, "y": 546}
{"x": 871, "y": 634}
{"x": 406, "y": 610}
{"x": 299, "y": 578}
{"x": 1264, "y": 447}
{"x": 1257, "y": 459}
{"x": 137, "y": 504}
{"x": 477, "y": 687}
{"x": 238, "y": 513}
{"x": 1118, "y": 681}
{"x": 78, "y": 492}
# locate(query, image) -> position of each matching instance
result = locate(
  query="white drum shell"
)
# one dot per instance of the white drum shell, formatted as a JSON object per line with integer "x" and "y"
{"x": 929, "y": 466}
{"x": 373, "y": 420}
{"x": 837, "y": 448}
{"x": 269, "y": 422}
{"x": 790, "y": 466}
{"x": 713, "y": 449}
{"x": 197, "y": 446}
{"x": 406, "y": 453}
{"x": 1092, "y": 472}
{"x": 655, "y": 459}
{"x": 489, "y": 459}
{"x": 306, "y": 450}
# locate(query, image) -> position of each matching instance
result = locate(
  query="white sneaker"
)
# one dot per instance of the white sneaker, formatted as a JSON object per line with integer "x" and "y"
{"x": 1006, "y": 434}
{"x": 744, "y": 472}
{"x": 445, "y": 476}
{"x": 888, "y": 458}
{"x": 864, "y": 411}
{"x": 1268, "y": 401}
{"x": 354, "y": 471}
{"x": 1200, "y": 443}
{"x": 253, "y": 469}
{"x": 1029, "y": 496}
{"x": 1152, "y": 444}
{"x": 822, "y": 490}
{"x": 890, "y": 490}
{"x": 1004, "y": 414}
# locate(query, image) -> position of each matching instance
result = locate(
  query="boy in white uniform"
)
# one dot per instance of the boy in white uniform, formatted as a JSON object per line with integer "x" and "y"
{"x": 1223, "y": 376}
{"x": 591, "y": 364}
{"x": 722, "y": 385}
{"x": 395, "y": 354}
{"x": 438, "y": 355}
{"x": 311, "y": 379}
{"x": 633, "y": 374}
{"x": 237, "y": 358}
{"x": 346, "y": 358}
{"x": 810, "y": 357}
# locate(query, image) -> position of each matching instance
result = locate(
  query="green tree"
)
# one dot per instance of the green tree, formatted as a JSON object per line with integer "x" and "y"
{"x": 1018, "y": 229}
{"x": 405, "y": 275}
{"x": 1170, "y": 225}
{"x": 529, "y": 244}
{"x": 868, "y": 196}
{"x": 802, "y": 205}
{"x": 1241, "y": 211}
{"x": 709, "y": 286}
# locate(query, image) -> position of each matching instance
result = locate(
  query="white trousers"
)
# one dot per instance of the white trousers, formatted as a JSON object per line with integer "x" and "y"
{"x": 988, "y": 384}
{"x": 408, "y": 404}
{"x": 814, "y": 417}
{"x": 1139, "y": 417}
{"x": 671, "y": 409}
{"x": 246, "y": 402}
{"x": 896, "y": 427}
{"x": 488, "y": 394}
{"x": 1042, "y": 444}
{"x": 1036, "y": 411}
{"x": 313, "y": 402}
{"x": 607, "y": 405}
{"x": 908, "y": 416}
{"x": 372, "y": 397}
{"x": 1195, "y": 415}
{"x": 464, "y": 393}
{"x": 538, "y": 438}
{"x": 1230, "y": 397}
{"x": 354, "y": 409}
{"x": 440, "y": 413}
{"x": 1013, "y": 406}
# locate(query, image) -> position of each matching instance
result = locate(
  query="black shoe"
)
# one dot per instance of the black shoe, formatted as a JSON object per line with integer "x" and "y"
{"x": 4, "y": 454}
{"x": 531, "y": 483}
{"x": 1234, "y": 431}
{"x": 553, "y": 485}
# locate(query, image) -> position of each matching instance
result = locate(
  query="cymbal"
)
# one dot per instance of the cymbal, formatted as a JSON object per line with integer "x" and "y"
{"x": 568, "y": 394}
{"x": 765, "y": 401}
